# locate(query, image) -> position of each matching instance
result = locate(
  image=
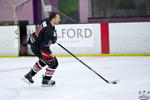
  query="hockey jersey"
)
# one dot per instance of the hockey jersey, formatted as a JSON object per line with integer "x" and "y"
{"x": 44, "y": 36}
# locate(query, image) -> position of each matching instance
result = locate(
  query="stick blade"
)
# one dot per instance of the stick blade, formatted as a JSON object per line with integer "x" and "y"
{"x": 114, "y": 82}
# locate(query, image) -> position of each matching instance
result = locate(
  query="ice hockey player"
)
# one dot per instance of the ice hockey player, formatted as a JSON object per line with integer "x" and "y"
{"x": 40, "y": 42}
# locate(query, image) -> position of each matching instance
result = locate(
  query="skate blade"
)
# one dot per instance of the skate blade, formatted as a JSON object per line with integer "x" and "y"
{"x": 26, "y": 81}
{"x": 45, "y": 85}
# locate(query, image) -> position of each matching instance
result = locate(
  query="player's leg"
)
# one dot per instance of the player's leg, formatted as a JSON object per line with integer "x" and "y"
{"x": 34, "y": 70}
{"x": 52, "y": 63}
{"x": 50, "y": 70}
{"x": 37, "y": 66}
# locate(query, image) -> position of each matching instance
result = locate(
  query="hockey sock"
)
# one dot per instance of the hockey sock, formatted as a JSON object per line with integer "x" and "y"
{"x": 49, "y": 73}
{"x": 38, "y": 66}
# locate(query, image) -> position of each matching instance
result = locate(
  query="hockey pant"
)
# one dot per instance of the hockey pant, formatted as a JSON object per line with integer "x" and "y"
{"x": 45, "y": 59}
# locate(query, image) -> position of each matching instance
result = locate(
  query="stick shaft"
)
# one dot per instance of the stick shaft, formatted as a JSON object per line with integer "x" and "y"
{"x": 83, "y": 63}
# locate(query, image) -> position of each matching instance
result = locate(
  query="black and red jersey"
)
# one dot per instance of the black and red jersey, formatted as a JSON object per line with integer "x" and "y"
{"x": 44, "y": 36}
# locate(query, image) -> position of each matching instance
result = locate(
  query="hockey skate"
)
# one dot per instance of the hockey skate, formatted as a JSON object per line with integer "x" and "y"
{"x": 28, "y": 79}
{"x": 48, "y": 83}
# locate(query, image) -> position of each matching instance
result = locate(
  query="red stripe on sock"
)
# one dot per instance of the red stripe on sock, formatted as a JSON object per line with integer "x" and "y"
{"x": 49, "y": 74}
{"x": 105, "y": 38}
{"x": 50, "y": 70}
{"x": 35, "y": 70}
{"x": 38, "y": 65}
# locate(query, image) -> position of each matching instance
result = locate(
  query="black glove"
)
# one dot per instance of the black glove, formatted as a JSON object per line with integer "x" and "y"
{"x": 54, "y": 40}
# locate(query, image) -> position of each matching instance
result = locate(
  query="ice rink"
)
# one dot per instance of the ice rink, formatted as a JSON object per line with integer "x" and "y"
{"x": 74, "y": 81}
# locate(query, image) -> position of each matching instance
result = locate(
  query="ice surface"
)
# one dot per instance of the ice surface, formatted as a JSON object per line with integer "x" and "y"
{"x": 74, "y": 81}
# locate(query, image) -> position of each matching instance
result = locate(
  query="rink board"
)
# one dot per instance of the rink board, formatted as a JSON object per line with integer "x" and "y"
{"x": 96, "y": 39}
{"x": 9, "y": 40}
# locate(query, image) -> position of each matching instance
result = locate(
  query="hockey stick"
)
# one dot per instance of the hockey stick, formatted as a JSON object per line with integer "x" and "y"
{"x": 109, "y": 82}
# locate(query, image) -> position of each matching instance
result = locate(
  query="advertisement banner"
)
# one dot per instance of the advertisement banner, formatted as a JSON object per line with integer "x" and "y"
{"x": 75, "y": 35}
